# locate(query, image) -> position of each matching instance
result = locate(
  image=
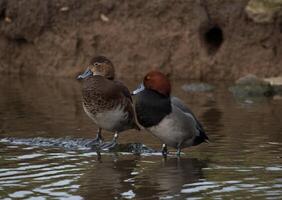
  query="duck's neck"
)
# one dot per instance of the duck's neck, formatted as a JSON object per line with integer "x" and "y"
{"x": 152, "y": 107}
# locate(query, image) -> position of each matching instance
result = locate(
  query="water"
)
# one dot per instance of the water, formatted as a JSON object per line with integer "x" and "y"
{"x": 44, "y": 154}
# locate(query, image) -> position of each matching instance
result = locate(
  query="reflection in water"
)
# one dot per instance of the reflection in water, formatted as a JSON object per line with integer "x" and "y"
{"x": 111, "y": 175}
{"x": 166, "y": 177}
{"x": 212, "y": 119}
{"x": 142, "y": 179}
{"x": 243, "y": 160}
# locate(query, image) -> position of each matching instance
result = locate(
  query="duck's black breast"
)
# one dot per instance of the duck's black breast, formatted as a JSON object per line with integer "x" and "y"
{"x": 151, "y": 107}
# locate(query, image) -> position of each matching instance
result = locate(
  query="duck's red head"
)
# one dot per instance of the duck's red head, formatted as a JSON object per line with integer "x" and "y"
{"x": 157, "y": 81}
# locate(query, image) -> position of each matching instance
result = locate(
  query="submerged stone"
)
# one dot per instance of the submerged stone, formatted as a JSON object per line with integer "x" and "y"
{"x": 251, "y": 86}
{"x": 78, "y": 143}
{"x": 277, "y": 89}
{"x": 66, "y": 142}
{"x": 276, "y": 83}
{"x": 135, "y": 148}
{"x": 198, "y": 87}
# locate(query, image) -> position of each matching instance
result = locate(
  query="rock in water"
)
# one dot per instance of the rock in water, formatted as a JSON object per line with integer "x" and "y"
{"x": 77, "y": 143}
{"x": 276, "y": 83}
{"x": 198, "y": 87}
{"x": 251, "y": 86}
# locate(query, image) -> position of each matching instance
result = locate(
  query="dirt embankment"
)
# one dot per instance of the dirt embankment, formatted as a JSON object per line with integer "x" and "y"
{"x": 198, "y": 39}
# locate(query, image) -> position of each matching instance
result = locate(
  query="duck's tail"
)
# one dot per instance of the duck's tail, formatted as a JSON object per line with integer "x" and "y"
{"x": 202, "y": 137}
{"x": 207, "y": 141}
{"x": 136, "y": 126}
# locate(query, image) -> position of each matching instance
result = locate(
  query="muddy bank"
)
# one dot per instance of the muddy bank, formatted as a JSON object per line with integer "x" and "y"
{"x": 189, "y": 39}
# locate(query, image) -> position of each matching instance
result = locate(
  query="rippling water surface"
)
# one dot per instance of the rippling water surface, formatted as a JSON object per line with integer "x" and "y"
{"x": 45, "y": 154}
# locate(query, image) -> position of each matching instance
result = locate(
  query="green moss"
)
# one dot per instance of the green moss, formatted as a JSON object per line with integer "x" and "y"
{"x": 266, "y": 5}
{"x": 263, "y": 11}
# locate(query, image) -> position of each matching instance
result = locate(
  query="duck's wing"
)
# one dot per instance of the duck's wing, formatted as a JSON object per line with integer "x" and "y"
{"x": 124, "y": 89}
{"x": 127, "y": 94}
{"x": 180, "y": 104}
{"x": 201, "y": 137}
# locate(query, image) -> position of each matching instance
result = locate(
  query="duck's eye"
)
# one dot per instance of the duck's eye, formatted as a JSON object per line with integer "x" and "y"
{"x": 147, "y": 77}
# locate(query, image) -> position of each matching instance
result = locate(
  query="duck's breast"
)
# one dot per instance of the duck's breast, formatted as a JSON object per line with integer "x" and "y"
{"x": 177, "y": 129}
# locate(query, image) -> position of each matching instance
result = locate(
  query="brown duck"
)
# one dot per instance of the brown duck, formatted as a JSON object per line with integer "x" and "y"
{"x": 105, "y": 100}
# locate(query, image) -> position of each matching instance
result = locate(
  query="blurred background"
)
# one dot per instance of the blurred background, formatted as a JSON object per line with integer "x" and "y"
{"x": 195, "y": 39}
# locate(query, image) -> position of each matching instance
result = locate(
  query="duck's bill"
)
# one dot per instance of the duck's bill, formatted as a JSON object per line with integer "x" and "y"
{"x": 85, "y": 74}
{"x": 139, "y": 89}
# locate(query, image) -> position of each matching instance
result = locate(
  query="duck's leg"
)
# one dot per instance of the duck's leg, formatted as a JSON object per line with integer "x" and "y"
{"x": 99, "y": 157}
{"x": 96, "y": 141}
{"x": 178, "y": 152}
{"x": 99, "y": 137}
{"x": 164, "y": 150}
{"x": 112, "y": 144}
{"x": 115, "y": 137}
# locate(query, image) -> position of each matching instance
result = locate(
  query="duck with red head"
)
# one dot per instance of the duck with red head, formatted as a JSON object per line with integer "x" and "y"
{"x": 166, "y": 117}
{"x": 105, "y": 100}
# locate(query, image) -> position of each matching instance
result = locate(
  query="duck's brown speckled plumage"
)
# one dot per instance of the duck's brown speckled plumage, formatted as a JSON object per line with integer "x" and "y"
{"x": 103, "y": 95}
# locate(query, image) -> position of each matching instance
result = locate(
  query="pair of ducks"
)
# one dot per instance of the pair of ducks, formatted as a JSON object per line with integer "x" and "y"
{"x": 109, "y": 104}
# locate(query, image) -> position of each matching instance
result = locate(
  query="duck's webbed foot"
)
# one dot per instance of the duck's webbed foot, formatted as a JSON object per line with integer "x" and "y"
{"x": 164, "y": 150}
{"x": 110, "y": 145}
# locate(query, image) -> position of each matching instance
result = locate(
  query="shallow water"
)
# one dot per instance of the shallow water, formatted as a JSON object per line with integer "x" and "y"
{"x": 44, "y": 154}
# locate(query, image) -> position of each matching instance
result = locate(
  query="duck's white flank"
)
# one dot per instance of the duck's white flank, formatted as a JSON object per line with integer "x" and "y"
{"x": 177, "y": 129}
